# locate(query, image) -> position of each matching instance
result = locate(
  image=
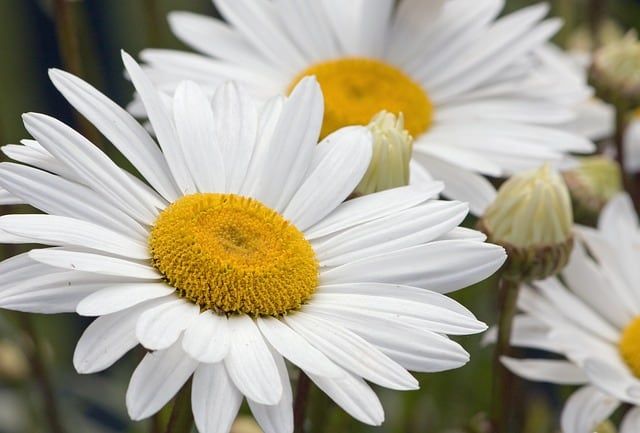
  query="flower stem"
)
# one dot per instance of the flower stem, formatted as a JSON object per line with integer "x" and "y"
{"x": 300, "y": 403}
{"x": 39, "y": 368}
{"x": 501, "y": 410}
{"x": 154, "y": 23}
{"x": 68, "y": 42}
{"x": 181, "y": 420}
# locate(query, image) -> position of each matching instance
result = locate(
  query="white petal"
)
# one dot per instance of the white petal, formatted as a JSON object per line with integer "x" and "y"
{"x": 631, "y": 421}
{"x": 259, "y": 24}
{"x": 618, "y": 218}
{"x": 293, "y": 144}
{"x": 57, "y": 196}
{"x": 351, "y": 352}
{"x": 614, "y": 377}
{"x": 8, "y": 199}
{"x": 207, "y": 338}
{"x": 195, "y": 129}
{"x": 296, "y": 349}
{"x": 199, "y": 30}
{"x": 215, "y": 400}
{"x": 96, "y": 263}
{"x": 585, "y": 409}
{"x": 417, "y": 350}
{"x": 90, "y": 163}
{"x": 157, "y": 379}
{"x": 159, "y": 327}
{"x": 65, "y": 231}
{"x": 427, "y": 316}
{"x": 162, "y": 124}
{"x": 235, "y": 127}
{"x": 107, "y": 339}
{"x": 441, "y": 266}
{"x": 47, "y": 290}
{"x": 276, "y": 418}
{"x": 546, "y": 370}
{"x": 354, "y": 396}
{"x": 250, "y": 364}
{"x": 338, "y": 165}
{"x": 460, "y": 184}
{"x": 370, "y": 207}
{"x": 118, "y": 297}
{"x": 407, "y": 228}
{"x": 120, "y": 128}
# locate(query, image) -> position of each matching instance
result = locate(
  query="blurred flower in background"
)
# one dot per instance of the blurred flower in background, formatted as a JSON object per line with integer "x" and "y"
{"x": 468, "y": 83}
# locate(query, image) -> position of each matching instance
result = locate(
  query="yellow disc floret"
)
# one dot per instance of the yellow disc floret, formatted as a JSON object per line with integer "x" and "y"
{"x": 355, "y": 89}
{"x": 232, "y": 254}
{"x": 630, "y": 346}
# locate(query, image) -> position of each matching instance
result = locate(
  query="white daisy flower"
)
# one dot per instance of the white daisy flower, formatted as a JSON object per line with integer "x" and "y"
{"x": 467, "y": 82}
{"x": 239, "y": 252}
{"x": 592, "y": 318}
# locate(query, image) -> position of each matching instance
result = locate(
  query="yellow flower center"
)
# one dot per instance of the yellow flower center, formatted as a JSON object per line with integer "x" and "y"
{"x": 629, "y": 346}
{"x": 355, "y": 89}
{"x": 232, "y": 254}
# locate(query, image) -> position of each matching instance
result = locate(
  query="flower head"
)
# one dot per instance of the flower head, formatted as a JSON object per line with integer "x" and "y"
{"x": 236, "y": 251}
{"x": 532, "y": 218}
{"x": 616, "y": 70}
{"x": 392, "y": 148}
{"x": 478, "y": 99}
{"x": 592, "y": 183}
{"x": 590, "y": 318}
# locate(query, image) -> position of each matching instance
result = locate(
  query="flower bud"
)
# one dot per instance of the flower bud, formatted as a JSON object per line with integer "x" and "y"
{"x": 392, "y": 148}
{"x": 592, "y": 184}
{"x": 245, "y": 424}
{"x": 13, "y": 362}
{"x": 605, "y": 427}
{"x": 615, "y": 71}
{"x": 531, "y": 218}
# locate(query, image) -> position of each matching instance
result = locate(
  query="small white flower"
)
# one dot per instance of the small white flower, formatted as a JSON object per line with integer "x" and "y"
{"x": 467, "y": 82}
{"x": 591, "y": 318}
{"x": 238, "y": 252}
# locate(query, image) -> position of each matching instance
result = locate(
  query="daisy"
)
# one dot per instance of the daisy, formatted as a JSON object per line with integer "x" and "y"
{"x": 467, "y": 82}
{"x": 237, "y": 253}
{"x": 591, "y": 317}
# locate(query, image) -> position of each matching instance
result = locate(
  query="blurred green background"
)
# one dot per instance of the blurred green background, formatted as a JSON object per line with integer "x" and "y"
{"x": 29, "y": 31}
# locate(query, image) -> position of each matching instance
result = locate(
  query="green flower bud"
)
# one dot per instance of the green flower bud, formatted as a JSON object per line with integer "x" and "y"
{"x": 531, "y": 218}
{"x": 606, "y": 427}
{"x": 615, "y": 71}
{"x": 592, "y": 184}
{"x": 392, "y": 149}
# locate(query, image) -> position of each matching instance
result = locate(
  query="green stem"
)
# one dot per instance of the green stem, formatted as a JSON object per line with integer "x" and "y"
{"x": 39, "y": 368}
{"x": 501, "y": 399}
{"x": 181, "y": 420}
{"x": 68, "y": 42}
{"x": 152, "y": 17}
{"x": 300, "y": 403}
{"x": 597, "y": 11}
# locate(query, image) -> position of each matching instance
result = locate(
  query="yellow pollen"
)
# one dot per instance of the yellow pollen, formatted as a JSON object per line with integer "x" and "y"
{"x": 232, "y": 254}
{"x": 629, "y": 346}
{"x": 355, "y": 89}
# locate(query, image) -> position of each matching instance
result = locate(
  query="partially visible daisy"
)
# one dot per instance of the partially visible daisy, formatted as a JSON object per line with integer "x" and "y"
{"x": 238, "y": 252}
{"x": 591, "y": 317}
{"x": 464, "y": 79}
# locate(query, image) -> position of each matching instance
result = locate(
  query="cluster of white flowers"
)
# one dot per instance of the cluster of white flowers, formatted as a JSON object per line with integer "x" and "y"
{"x": 287, "y": 210}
